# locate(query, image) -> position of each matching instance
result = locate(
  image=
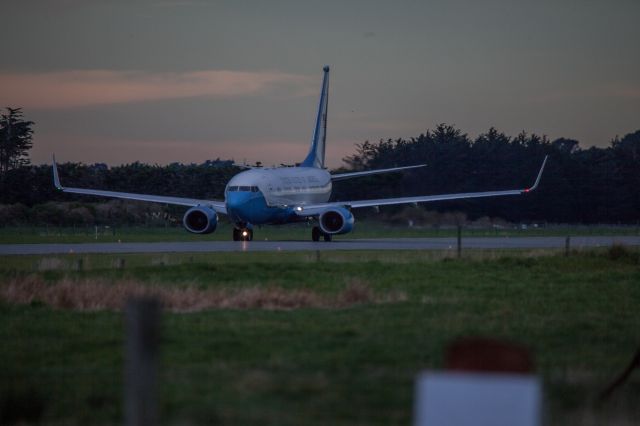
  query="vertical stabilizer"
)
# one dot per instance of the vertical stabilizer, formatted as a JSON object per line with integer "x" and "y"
{"x": 315, "y": 158}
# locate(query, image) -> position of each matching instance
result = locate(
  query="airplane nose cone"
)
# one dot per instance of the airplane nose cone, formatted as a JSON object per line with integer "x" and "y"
{"x": 236, "y": 200}
{"x": 248, "y": 207}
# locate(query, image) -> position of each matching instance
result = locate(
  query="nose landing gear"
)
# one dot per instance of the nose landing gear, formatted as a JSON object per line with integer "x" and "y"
{"x": 242, "y": 234}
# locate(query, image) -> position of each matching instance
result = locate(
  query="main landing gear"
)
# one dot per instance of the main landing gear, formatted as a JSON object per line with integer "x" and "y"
{"x": 316, "y": 233}
{"x": 242, "y": 234}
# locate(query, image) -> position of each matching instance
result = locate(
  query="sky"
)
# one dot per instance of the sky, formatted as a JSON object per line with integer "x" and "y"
{"x": 190, "y": 80}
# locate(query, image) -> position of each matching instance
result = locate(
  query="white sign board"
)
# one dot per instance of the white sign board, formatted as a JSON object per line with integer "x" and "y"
{"x": 461, "y": 399}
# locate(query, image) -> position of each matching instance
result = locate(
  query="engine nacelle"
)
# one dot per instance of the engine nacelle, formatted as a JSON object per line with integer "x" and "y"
{"x": 200, "y": 220}
{"x": 337, "y": 220}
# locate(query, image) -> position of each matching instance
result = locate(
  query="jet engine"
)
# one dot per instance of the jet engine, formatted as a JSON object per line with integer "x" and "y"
{"x": 337, "y": 220}
{"x": 200, "y": 220}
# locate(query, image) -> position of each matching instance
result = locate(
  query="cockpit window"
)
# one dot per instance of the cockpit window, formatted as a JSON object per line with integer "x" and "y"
{"x": 243, "y": 189}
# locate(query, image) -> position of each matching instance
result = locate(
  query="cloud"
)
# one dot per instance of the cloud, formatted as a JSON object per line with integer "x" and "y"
{"x": 90, "y": 149}
{"x": 72, "y": 89}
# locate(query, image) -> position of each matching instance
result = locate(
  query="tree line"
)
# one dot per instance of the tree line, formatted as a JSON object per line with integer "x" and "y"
{"x": 27, "y": 194}
{"x": 592, "y": 185}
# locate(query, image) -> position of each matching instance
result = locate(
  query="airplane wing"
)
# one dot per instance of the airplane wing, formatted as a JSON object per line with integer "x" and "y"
{"x": 219, "y": 206}
{"x": 341, "y": 176}
{"x": 315, "y": 209}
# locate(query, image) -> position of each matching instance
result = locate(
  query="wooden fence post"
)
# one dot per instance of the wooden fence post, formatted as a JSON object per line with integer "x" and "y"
{"x": 141, "y": 358}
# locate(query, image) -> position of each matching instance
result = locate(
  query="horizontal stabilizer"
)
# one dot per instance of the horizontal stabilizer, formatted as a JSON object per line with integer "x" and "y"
{"x": 341, "y": 176}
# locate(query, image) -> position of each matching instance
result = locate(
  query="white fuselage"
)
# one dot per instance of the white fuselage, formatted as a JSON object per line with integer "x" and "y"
{"x": 286, "y": 186}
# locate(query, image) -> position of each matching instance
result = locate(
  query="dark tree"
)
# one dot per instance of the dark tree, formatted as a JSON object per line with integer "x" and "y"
{"x": 583, "y": 186}
{"x": 15, "y": 140}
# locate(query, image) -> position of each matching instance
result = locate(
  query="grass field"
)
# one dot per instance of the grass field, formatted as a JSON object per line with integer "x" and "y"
{"x": 312, "y": 338}
{"x": 363, "y": 229}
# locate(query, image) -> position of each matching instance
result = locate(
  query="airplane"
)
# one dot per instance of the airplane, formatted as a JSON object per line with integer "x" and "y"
{"x": 279, "y": 195}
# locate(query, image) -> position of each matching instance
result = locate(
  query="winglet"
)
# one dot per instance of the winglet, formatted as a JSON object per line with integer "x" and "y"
{"x": 56, "y": 178}
{"x": 535, "y": 185}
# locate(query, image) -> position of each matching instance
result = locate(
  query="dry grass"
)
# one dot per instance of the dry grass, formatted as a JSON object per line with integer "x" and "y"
{"x": 103, "y": 295}
{"x": 51, "y": 264}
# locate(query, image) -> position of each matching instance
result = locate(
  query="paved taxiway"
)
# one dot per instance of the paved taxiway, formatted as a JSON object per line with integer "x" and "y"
{"x": 363, "y": 244}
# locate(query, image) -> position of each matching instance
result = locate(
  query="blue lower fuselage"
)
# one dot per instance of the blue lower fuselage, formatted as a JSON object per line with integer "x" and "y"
{"x": 251, "y": 208}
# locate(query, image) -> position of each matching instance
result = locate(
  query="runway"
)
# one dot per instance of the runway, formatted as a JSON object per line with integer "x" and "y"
{"x": 287, "y": 246}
